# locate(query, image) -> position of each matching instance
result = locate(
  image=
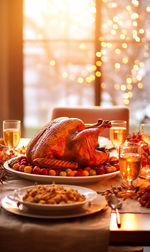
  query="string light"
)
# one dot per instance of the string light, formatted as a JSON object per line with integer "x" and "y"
{"x": 140, "y": 85}
{"x": 148, "y": 8}
{"x": 103, "y": 85}
{"x": 80, "y": 80}
{"x": 127, "y": 28}
{"x": 98, "y": 63}
{"x": 98, "y": 74}
{"x": 98, "y": 54}
{"x": 130, "y": 32}
{"x": 52, "y": 62}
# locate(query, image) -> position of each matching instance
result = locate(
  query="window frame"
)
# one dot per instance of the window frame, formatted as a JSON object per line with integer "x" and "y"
{"x": 11, "y": 61}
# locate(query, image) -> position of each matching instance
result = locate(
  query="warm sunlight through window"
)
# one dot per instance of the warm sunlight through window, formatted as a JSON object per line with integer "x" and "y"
{"x": 58, "y": 56}
{"x": 85, "y": 53}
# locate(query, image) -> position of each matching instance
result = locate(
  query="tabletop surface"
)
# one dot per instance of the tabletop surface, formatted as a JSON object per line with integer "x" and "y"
{"x": 89, "y": 233}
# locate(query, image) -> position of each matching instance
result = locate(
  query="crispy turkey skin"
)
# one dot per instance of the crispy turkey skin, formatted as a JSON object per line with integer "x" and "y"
{"x": 67, "y": 139}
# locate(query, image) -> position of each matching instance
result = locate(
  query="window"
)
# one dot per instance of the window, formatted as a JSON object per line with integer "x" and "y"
{"x": 58, "y": 56}
{"x": 64, "y": 55}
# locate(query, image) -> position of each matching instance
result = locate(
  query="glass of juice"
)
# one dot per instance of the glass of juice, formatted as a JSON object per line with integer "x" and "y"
{"x": 118, "y": 132}
{"x": 11, "y": 133}
{"x": 130, "y": 163}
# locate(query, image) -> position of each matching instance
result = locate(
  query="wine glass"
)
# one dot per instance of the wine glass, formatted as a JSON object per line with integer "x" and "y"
{"x": 130, "y": 163}
{"x": 118, "y": 132}
{"x": 145, "y": 132}
{"x": 11, "y": 133}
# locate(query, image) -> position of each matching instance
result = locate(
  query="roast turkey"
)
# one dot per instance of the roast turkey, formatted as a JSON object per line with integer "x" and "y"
{"x": 66, "y": 141}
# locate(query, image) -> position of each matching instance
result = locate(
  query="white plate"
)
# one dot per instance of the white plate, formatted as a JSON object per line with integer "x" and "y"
{"x": 97, "y": 205}
{"x": 18, "y": 195}
{"x": 59, "y": 179}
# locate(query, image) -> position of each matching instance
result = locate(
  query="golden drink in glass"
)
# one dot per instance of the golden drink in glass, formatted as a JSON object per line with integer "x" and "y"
{"x": 130, "y": 166}
{"x": 146, "y": 138}
{"x": 11, "y": 137}
{"x": 118, "y": 132}
{"x": 145, "y": 132}
{"x": 11, "y": 133}
{"x": 130, "y": 163}
{"x": 118, "y": 135}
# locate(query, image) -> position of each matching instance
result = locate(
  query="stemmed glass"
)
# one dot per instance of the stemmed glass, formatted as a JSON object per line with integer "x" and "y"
{"x": 11, "y": 133}
{"x": 145, "y": 133}
{"x": 130, "y": 163}
{"x": 118, "y": 132}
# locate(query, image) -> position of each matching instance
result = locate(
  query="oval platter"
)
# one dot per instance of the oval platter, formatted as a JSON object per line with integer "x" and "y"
{"x": 58, "y": 179}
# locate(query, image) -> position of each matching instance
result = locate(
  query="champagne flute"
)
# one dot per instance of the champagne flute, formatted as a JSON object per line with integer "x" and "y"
{"x": 130, "y": 163}
{"x": 11, "y": 133}
{"x": 118, "y": 132}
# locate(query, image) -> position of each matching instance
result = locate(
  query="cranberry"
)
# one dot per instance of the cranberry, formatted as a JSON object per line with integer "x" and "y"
{"x": 23, "y": 162}
{"x": 147, "y": 204}
{"x": 22, "y": 158}
{"x": 79, "y": 173}
{"x": 100, "y": 171}
{"x": 117, "y": 167}
{"x": 147, "y": 189}
{"x": 36, "y": 170}
{"x": 58, "y": 171}
{"x": 44, "y": 171}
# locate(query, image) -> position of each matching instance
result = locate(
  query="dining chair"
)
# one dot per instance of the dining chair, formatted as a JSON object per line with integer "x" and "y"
{"x": 93, "y": 113}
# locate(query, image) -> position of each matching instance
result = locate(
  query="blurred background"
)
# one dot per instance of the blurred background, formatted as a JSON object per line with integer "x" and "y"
{"x": 68, "y": 53}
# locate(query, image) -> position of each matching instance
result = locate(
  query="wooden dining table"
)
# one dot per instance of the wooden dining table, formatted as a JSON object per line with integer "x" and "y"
{"x": 97, "y": 231}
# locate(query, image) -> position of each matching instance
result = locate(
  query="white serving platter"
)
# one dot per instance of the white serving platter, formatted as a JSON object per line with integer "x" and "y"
{"x": 58, "y": 179}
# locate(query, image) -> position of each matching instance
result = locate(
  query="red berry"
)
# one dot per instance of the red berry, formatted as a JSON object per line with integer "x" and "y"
{"x": 16, "y": 166}
{"x": 147, "y": 189}
{"x": 44, "y": 171}
{"x": 22, "y": 158}
{"x": 142, "y": 202}
{"x": 79, "y": 172}
{"x": 23, "y": 162}
{"x": 147, "y": 204}
{"x": 144, "y": 162}
{"x": 87, "y": 168}
{"x": 13, "y": 162}
{"x": 113, "y": 160}
{"x": 36, "y": 170}
{"x": 100, "y": 171}
{"x": 21, "y": 168}
{"x": 58, "y": 171}
{"x": 139, "y": 193}
{"x": 117, "y": 167}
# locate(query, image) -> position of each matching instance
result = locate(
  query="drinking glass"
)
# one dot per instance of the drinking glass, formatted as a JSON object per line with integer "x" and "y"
{"x": 130, "y": 163}
{"x": 145, "y": 132}
{"x": 11, "y": 133}
{"x": 118, "y": 132}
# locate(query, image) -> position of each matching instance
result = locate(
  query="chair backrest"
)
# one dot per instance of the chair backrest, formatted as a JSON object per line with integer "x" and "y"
{"x": 93, "y": 113}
